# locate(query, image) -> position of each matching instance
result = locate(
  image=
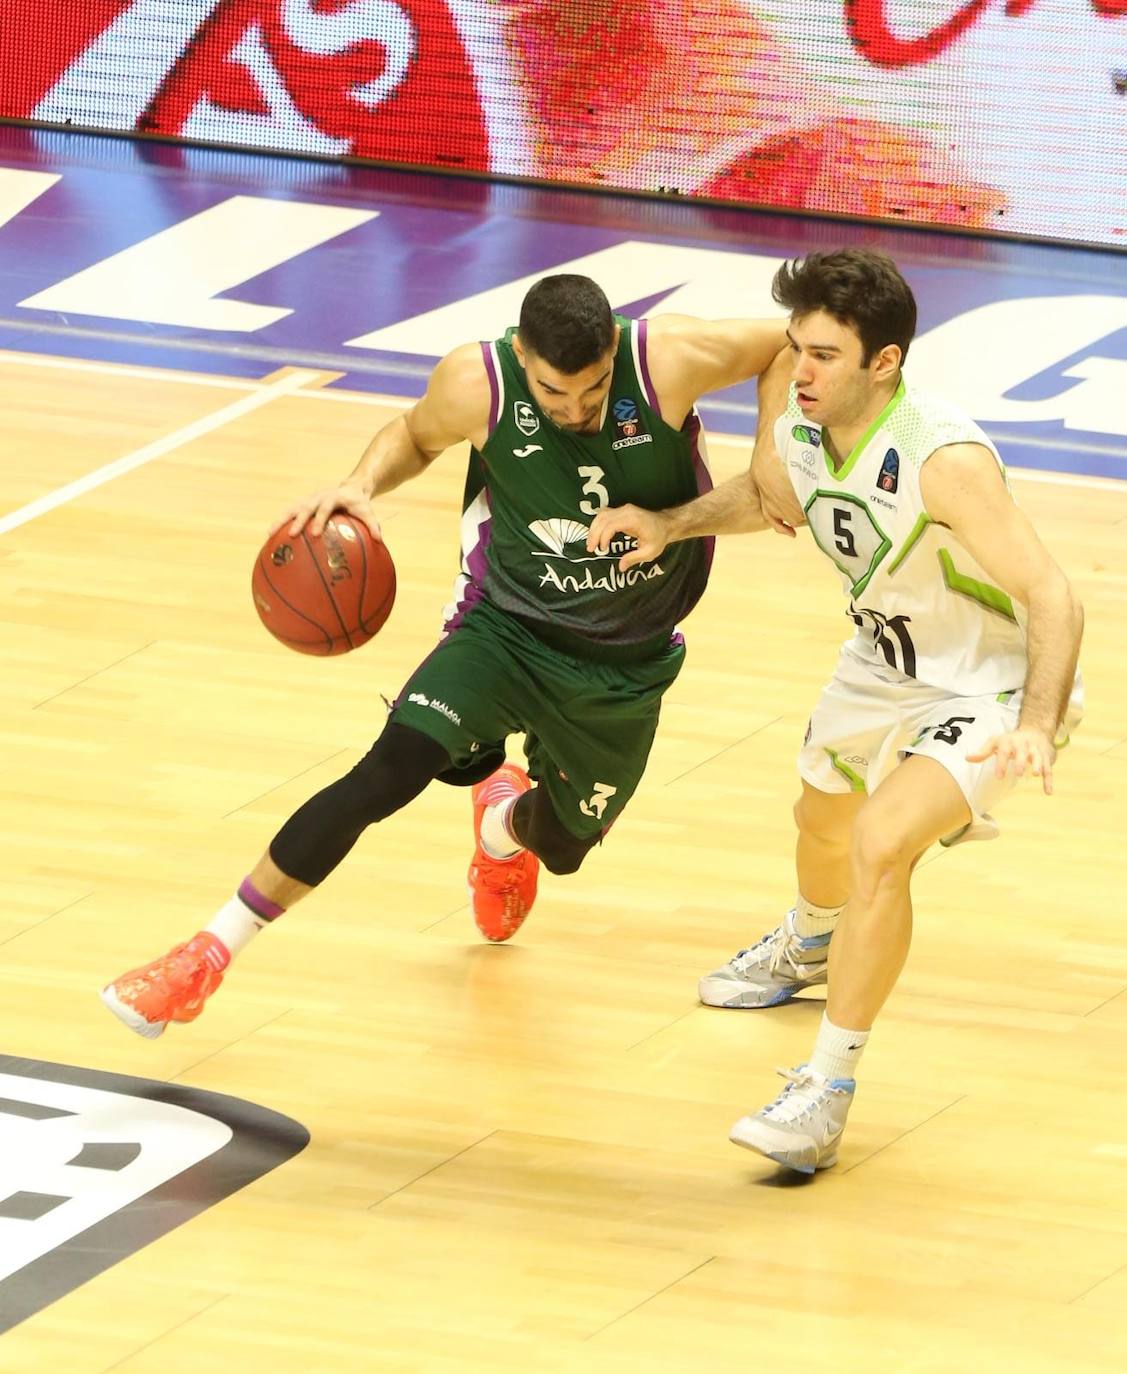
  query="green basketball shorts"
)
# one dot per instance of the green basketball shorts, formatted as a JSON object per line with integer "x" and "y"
{"x": 588, "y": 726}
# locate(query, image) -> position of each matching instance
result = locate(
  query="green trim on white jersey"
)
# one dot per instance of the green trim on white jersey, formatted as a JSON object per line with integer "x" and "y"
{"x": 878, "y": 554}
{"x": 841, "y": 473}
{"x": 993, "y": 598}
{"x": 915, "y": 535}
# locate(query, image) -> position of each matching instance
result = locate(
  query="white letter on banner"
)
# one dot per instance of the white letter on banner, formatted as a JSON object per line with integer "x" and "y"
{"x": 127, "y": 63}
{"x": 702, "y": 281}
{"x": 380, "y": 20}
{"x": 19, "y": 188}
{"x": 171, "y": 277}
{"x": 977, "y": 357}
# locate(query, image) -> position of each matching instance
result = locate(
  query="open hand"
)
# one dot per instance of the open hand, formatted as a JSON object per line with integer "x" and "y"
{"x": 346, "y": 496}
{"x": 1025, "y": 750}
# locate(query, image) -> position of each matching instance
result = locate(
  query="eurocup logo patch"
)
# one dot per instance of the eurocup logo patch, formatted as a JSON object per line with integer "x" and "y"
{"x": 629, "y": 427}
{"x": 889, "y": 478}
{"x": 94, "y": 1166}
{"x": 807, "y": 434}
{"x": 525, "y": 418}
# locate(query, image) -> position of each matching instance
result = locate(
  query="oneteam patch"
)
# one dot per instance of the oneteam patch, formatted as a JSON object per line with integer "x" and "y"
{"x": 629, "y": 427}
{"x": 98, "y": 1165}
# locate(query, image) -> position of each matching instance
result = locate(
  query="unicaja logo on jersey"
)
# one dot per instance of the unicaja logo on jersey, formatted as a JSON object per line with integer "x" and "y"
{"x": 525, "y": 418}
{"x": 556, "y": 535}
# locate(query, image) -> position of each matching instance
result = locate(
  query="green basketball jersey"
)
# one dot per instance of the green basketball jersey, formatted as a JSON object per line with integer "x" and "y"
{"x": 532, "y": 491}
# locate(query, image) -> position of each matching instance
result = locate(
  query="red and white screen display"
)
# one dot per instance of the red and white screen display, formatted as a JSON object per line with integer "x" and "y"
{"x": 1003, "y": 115}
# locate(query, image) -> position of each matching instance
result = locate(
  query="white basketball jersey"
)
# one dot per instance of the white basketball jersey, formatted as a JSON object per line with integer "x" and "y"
{"x": 921, "y": 605}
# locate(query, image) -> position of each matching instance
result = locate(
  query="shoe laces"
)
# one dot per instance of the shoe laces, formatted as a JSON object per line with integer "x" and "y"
{"x": 776, "y": 948}
{"x": 803, "y": 1093}
{"x": 500, "y": 876}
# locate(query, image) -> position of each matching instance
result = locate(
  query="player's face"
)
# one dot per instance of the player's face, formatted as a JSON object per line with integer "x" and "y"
{"x": 834, "y": 387}
{"x": 571, "y": 400}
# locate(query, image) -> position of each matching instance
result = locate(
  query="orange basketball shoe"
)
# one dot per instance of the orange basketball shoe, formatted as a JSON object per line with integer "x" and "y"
{"x": 501, "y": 890}
{"x": 171, "y": 988}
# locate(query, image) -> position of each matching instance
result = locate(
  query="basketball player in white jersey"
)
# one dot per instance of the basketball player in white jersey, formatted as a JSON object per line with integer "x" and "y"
{"x": 959, "y": 677}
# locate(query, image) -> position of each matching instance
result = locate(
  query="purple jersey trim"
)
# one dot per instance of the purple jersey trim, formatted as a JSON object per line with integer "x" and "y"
{"x": 475, "y": 564}
{"x": 642, "y": 366}
{"x": 489, "y": 355}
{"x": 698, "y": 450}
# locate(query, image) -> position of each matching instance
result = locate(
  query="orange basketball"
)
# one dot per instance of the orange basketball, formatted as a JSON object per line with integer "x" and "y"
{"x": 325, "y": 594}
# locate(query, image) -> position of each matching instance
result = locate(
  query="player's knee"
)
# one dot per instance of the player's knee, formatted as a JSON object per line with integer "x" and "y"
{"x": 879, "y": 848}
{"x": 394, "y": 771}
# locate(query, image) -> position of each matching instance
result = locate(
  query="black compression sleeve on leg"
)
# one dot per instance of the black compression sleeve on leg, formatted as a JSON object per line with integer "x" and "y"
{"x": 536, "y": 825}
{"x": 319, "y": 834}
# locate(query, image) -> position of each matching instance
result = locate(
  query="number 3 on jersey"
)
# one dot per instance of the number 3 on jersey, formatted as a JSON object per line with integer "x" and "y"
{"x": 598, "y": 800}
{"x": 593, "y": 486}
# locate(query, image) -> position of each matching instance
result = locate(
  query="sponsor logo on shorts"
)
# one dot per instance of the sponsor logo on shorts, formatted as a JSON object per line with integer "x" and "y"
{"x": 419, "y": 699}
{"x": 525, "y": 418}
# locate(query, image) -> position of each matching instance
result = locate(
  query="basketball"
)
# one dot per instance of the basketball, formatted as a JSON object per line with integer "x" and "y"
{"x": 324, "y": 594}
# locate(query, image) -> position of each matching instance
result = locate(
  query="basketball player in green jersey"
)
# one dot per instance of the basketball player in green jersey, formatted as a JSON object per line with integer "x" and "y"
{"x": 960, "y": 675}
{"x": 571, "y": 412}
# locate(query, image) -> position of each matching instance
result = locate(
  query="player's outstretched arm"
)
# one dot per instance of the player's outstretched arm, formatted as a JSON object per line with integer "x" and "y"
{"x": 689, "y": 357}
{"x": 963, "y": 489}
{"x": 731, "y": 508}
{"x": 454, "y": 408}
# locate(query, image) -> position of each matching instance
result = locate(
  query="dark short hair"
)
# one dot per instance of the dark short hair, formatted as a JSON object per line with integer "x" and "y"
{"x": 566, "y": 320}
{"x": 859, "y": 287}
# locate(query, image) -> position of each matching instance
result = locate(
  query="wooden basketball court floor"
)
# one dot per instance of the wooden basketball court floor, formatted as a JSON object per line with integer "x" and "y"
{"x": 519, "y": 1154}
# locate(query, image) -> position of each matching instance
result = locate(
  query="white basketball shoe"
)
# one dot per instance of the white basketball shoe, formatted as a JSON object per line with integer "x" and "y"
{"x": 770, "y": 972}
{"x": 802, "y": 1127}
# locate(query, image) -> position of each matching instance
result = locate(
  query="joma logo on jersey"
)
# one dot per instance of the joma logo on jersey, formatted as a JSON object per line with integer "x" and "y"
{"x": 525, "y": 418}
{"x": 628, "y": 424}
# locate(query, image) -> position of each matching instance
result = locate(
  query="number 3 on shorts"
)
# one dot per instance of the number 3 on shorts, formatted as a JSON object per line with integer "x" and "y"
{"x": 598, "y": 801}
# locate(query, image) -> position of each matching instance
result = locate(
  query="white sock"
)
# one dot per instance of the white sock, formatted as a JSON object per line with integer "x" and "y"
{"x": 837, "y": 1052}
{"x": 814, "y": 920}
{"x": 236, "y": 925}
{"x": 497, "y": 839}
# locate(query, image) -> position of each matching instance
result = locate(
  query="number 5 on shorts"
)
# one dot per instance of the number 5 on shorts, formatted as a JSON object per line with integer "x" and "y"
{"x": 598, "y": 802}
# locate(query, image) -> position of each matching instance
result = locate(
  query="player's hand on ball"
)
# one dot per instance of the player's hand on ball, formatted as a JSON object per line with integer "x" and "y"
{"x": 315, "y": 510}
{"x": 649, "y": 529}
{"x": 1024, "y": 750}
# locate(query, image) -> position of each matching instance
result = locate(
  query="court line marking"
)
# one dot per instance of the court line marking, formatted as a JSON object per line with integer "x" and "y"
{"x": 343, "y": 396}
{"x": 391, "y": 366}
{"x": 260, "y": 397}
